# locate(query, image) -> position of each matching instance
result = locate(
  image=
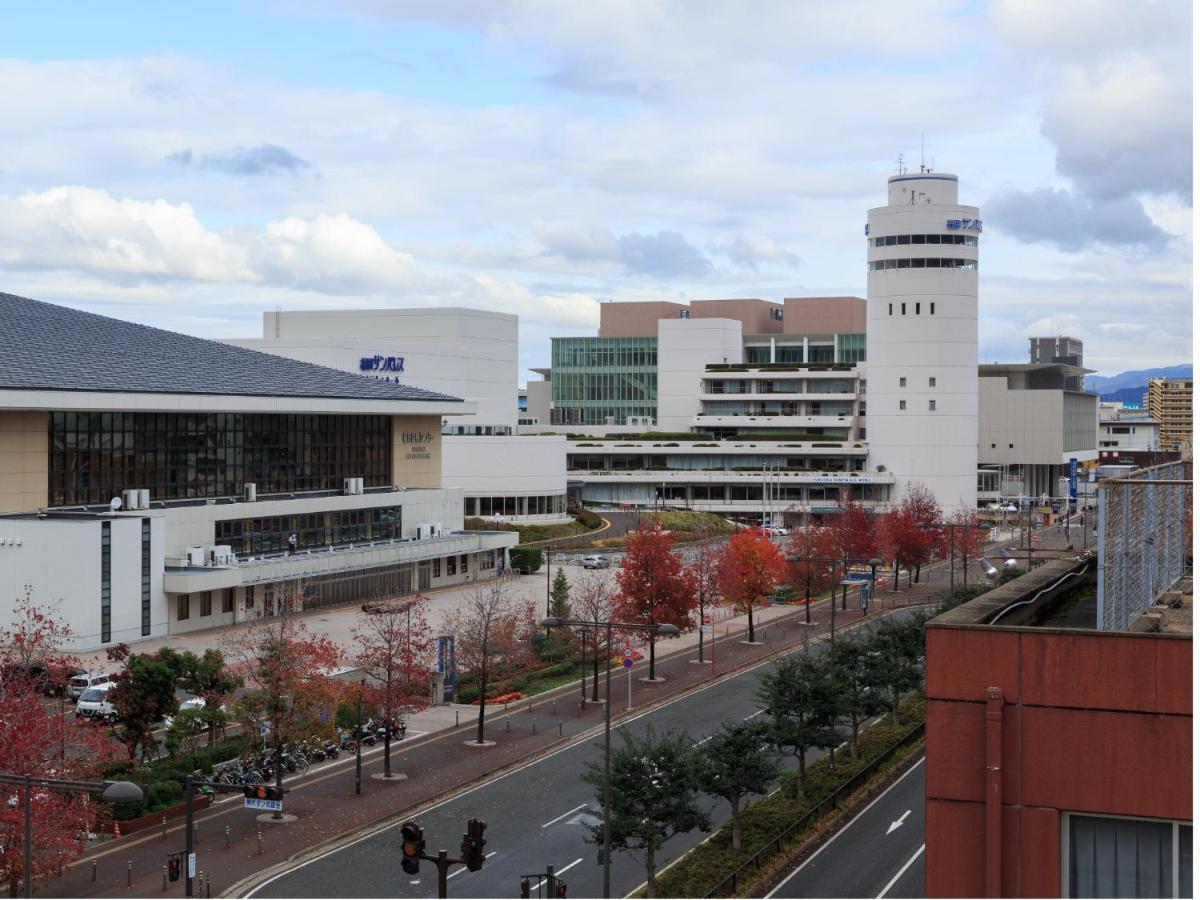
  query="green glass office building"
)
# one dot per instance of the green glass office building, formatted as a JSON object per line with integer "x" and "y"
{"x": 604, "y": 380}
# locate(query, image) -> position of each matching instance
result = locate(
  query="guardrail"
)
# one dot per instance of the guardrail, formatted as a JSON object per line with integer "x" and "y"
{"x": 729, "y": 884}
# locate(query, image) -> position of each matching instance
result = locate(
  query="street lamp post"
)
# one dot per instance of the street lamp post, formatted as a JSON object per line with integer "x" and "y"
{"x": 113, "y": 791}
{"x": 659, "y": 630}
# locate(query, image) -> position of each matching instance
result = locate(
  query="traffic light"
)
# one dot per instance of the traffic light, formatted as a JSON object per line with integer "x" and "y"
{"x": 174, "y": 866}
{"x": 525, "y": 888}
{"x": 262, "y": 792}
{"x": 473, "y": 844}
{"x": 413, "y": 846}
{"x": 560, "y": 888}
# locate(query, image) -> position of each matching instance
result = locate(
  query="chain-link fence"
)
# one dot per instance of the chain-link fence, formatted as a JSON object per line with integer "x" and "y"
{"x": 1144, "y": 536}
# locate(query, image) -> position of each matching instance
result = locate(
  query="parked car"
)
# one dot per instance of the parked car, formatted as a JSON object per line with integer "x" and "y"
{"x": 80, "y": 683}
{"x": 189, "y": 703}
{"x": 595, "y": 562}
{"x": 36, "y": 673}
{"x": 93, "y": 704}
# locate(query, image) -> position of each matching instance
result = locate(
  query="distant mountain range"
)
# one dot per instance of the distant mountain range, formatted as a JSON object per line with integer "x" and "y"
{"x": 1129, "y": 386}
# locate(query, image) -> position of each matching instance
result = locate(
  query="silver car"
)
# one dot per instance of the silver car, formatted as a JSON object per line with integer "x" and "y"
{"x": 595, "y": 562}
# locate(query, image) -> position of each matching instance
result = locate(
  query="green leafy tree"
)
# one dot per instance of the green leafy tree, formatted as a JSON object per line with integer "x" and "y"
{"x": 893, "y": 653}
{"x": 736, "y": 765}
{"x": 655, "y": 795}
{"x": 801, "y": 698}
{"x": 858, "y": 697}
{"x": 143, "y": 694}
{"x": 560, "y": 596}
{"x": 208, "y": 677}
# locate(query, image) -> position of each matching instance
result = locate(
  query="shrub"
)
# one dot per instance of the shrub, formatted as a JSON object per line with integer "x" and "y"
{"x": 527, "y": 559}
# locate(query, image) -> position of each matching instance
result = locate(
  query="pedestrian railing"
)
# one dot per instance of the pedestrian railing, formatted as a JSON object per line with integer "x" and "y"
{"x": 728, "y": 886}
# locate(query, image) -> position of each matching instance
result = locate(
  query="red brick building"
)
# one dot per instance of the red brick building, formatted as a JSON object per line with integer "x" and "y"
{"x": 1059, "y": 756}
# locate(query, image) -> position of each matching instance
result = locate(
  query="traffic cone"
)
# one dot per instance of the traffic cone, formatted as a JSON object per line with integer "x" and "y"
{"x": 116, "y": 829}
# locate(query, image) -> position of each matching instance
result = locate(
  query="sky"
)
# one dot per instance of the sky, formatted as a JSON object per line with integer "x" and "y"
{"x": 192, "y": 166}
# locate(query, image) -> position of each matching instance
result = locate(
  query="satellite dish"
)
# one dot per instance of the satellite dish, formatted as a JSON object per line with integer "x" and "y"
{"x": 114, "y": 504}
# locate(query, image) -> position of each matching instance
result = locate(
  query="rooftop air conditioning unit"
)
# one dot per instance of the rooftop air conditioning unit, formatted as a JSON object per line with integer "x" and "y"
{"x": 358, "y": 483}
{"x": 352, "y": 486}
{"x": 221, "y": 555}
{"x": 250, "y": 492}
{"x": 425, "y": 531}
{"x": 129, "y": 499}
{"x": 196, "y": 556}
{"x": 143, "y": 498}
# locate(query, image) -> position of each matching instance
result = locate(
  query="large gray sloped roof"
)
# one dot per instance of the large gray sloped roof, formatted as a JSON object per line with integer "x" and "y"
{"x": 55, "y": 348}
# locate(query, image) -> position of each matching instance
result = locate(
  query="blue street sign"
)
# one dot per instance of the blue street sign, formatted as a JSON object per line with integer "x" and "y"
{"x": 270, "y": 805}
{"x": 627, "y": 662}
{"x": 1073, "y": 478}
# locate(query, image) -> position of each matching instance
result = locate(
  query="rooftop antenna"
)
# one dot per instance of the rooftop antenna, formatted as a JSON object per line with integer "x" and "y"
{"x": 922, "y": 151}
{"x": 900, "y": 164}
{"x": 278, "y": 313}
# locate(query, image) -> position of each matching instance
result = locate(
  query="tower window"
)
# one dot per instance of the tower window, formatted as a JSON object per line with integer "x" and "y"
{"x": 933, "y": 382}
{"x": 932, "y": 308}
{"x": 918, "y": 309}
{"x": 903, "y": 404}
{"x": 932, "y": 405}
{"x": 903, "y": 308}
{"x": 903, "y": 381}
{"x": 889, "y": 309}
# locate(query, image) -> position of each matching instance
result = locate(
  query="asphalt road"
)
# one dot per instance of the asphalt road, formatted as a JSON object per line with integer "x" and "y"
{"x": 536, "y": 816}
{"x": 879, "y": 853}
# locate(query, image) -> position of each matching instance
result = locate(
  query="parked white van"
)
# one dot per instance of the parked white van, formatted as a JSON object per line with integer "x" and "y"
{"x": 83, "y": 681}
{"x": 93, "y": 704}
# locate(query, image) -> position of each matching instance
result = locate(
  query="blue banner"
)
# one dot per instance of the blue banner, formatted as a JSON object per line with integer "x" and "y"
{"x": 1073, "y": 478}
{"x": 447, "y": 666}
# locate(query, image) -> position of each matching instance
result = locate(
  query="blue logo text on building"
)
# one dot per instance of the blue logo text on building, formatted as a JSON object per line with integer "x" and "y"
{"x": 381, "y": 364}
{"x": 965, "y": 224}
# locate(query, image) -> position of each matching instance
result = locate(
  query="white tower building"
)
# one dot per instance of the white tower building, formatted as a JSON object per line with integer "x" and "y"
{"x": 922, "y": 377}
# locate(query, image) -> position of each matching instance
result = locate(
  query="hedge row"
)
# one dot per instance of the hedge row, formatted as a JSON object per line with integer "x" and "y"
{"x": 706, "y": 865}
{"x": 162, "y": 781}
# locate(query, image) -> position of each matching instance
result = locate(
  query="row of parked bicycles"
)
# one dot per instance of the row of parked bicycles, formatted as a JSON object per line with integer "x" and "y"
{"x": 258, "y": 766}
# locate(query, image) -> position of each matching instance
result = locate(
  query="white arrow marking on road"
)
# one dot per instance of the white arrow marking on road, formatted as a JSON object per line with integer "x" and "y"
{"x": 564, "y": 815}
{"x": 898, "y": 822}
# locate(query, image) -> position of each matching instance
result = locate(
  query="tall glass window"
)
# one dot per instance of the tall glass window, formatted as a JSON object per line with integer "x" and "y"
{"x": 94, "y": 456}
{"x": 1125, "y": 857}
{"x": 270, "y": 534}
{"x": 596, "y": 379}
{"x": 145, "y": 577}
{"x": 105, "y": 582}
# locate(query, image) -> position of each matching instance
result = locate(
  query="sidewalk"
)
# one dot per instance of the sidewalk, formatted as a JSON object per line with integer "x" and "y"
{"x": 441, "y": 762}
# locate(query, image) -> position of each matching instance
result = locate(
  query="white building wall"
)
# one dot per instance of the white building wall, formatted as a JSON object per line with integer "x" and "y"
{"x": 496, "y": 466}
{"x": 72, "y": 591}
{"x": 685, "y": 347}
{"x": 937, "y": 448}
{"x": 467, "y": 353}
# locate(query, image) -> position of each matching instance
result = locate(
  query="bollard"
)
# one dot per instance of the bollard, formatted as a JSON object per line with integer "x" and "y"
{"x": 164, "y": 887}
{"x": 129, "y": 874}
{"x": 531, "y": 707}
{"x": 560, "y": 729}
{"x": 260, "y": 843}
{"x": 208, "y": 889}
{"x": 226, "y": 837}
{"x": 554, "y": 707}
{"x": 508, "y": 723}
{"x": 93, "y": 870}
{"x": 535, "y": 726}
{"x": 164, "y": 827}
{"x": 456, "y": 718}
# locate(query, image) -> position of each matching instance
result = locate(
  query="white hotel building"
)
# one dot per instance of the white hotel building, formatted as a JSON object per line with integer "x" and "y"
{"x": 149, "y": 486}
{"x": 763, "y": 407}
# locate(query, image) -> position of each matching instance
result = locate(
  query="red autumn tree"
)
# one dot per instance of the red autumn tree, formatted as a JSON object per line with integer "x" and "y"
{"x": 852, "y": 529}
{"x": 37, "y": 740}
{"x": 913, "y": 531}
{"x": 594, "y": 599}
{"x": 704, "y": 562}
{"x": 285, "y": 667}
{"x": 965, "y": 537}
{"x": 492, "y": 634}
{"x": 395, "y": 648}
{"x": 656, "y": 588}
{"x": 751, "y": 568}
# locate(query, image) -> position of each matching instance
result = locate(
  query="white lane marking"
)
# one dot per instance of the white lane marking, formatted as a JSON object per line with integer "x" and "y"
{"x": 903, "y": 869}
{"x": 564, "y": 815}
{"x": 464, "y": 868}
{"x": 898, "y": 822}
{"x": 558, "y": 874}
{"x": 844, "y": 827}
{"x": 581, "y": 739}
{"x": 753, "y": 714}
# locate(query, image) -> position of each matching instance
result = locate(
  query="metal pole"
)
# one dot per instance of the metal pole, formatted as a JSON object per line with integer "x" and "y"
{"x": 607, "y": 849}
{"x": 701, "y": 656}
{"x": 582, "y": 669}
{"x": 188, "y": 848}
{"x": 951, "y": 527}
{"x": 443, "y": 866}
{"x": 833, "y": 605}
{"x": 358, "y": 742}
{"x": 28, "y": 838}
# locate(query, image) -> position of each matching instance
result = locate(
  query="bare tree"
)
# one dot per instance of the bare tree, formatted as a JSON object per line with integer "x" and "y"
{"x": 492, "y": 633}
{"x": 595, "y": 599}
{"x": 705, "y": 563}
